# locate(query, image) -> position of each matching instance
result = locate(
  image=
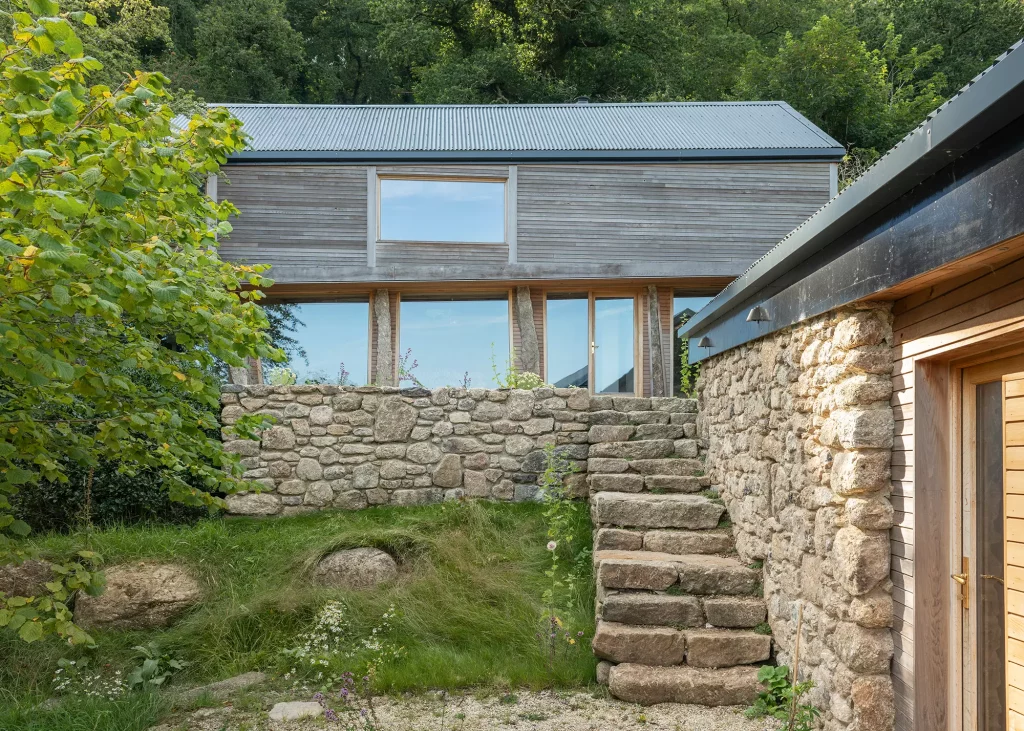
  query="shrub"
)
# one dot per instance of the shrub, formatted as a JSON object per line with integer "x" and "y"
{"x": 113, "y": 498}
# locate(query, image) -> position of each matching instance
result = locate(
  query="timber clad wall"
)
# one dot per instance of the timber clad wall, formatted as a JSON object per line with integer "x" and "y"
{"x": 938, "y": 316}
{"x": 728, "y": 214}
{"x": 714, "y": 218}
{"x": 307, "y": 215}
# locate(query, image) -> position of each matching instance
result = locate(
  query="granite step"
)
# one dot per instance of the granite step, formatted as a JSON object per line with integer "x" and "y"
{"x": 646, "y": 510}
{"x": 647, "y": 685}
{"x": 678, "y": 466}
{"x": 682, "y": 611}
{"x": 647, "y": 449}
{"x": 662, "y": 646}
{"x": 696, "y": 574}
{"x": 718, "y": 540}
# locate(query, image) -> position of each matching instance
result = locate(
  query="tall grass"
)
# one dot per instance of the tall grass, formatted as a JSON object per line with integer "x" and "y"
{"x": 468, "y": 599}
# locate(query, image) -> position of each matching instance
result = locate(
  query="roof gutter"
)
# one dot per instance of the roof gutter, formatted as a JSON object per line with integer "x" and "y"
{"x": 345, "y": 157}
{"x": 988, "y": 104}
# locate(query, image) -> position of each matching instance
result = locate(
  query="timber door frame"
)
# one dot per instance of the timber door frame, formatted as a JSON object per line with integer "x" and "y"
{"x": 967, "y": 375}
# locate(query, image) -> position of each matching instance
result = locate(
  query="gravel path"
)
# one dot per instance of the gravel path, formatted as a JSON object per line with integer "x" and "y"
{"x": 541, "y": 711}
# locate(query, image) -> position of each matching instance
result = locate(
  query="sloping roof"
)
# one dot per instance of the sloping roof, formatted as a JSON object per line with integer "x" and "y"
{"x": 989, "y": 102}
{"x": 509, "y": 132}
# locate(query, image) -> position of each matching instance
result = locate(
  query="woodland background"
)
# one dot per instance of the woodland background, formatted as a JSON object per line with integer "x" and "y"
{"x": 866, "y": 71}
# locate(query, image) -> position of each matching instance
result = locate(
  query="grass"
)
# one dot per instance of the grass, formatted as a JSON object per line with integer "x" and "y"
{"x": 468, "y": 599}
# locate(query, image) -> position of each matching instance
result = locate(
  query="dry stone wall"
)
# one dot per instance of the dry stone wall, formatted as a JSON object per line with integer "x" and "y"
{"x": 347, "y": 447}
{"x": 798, "y": 429}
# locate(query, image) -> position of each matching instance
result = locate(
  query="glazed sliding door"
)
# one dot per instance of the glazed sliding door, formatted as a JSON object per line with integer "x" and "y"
{"x": 614, "y": 345}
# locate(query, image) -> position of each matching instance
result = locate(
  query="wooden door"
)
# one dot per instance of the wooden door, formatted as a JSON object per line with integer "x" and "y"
{"x": 1013, "y": 496}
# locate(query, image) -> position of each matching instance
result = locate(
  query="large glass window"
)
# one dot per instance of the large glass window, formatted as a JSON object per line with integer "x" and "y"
{"x": 614, "y": 345}
{"x": 442, "y": 210}
{"x": 453, "y": 342}
{"x": 567, "y": 345}
{"x": 683, "y": 308}
{"x": 334, "y": 340}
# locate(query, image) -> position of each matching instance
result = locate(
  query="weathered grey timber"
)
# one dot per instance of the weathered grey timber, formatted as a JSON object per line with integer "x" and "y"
{"x": 687, "y": 220}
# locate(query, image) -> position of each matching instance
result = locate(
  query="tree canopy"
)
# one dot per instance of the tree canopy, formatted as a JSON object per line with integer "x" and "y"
{"x": 867, "y": 71}
{"x": 115, "y": 309}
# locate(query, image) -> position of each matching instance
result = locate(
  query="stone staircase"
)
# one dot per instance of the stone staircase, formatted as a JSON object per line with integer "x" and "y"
{"x": 675, "y": 607}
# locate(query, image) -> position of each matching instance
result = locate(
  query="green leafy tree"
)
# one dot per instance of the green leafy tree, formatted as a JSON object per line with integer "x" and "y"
{"x": 246, "y": 50}
{"x": 114, "y": 306}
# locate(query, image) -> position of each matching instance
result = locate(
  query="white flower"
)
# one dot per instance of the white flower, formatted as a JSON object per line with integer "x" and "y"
{"x": 552, "y": 545}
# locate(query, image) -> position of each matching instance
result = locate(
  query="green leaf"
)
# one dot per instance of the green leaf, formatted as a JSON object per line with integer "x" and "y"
{"x": 43, "y": 7}
{"x": 60, "y": 294}
{"x": 109, "y": 199}
{"x": 63, "y": 106}
{"x": 31, "y": 631}
{"x": 19, "y": 528}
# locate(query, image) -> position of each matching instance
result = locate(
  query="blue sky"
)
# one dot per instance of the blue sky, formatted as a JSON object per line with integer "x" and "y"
{"x": 435, "y": 210}
{"x": 449, "y": 338}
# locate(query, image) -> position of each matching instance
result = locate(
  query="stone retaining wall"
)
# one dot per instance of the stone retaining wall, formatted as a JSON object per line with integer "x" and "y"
{"x": 348, "y": 447}
{"x": 798, "y": 431}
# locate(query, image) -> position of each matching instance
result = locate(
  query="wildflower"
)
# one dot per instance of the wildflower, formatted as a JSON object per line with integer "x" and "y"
{"x": 552, "y": 545}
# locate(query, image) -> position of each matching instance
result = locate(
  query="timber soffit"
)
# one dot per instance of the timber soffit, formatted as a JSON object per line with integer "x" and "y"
{"x": 510, "y": 133}
{"x": 990, "y": 102}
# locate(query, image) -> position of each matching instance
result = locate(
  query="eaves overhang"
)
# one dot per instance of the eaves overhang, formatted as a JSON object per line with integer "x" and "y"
{"x": 512, "y": 157}
{"x": 991, "y": 102}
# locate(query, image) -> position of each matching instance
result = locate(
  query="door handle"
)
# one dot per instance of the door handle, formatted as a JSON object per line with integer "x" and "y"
{"x": 963, "y": 580}
{"x": 996, "y": 578}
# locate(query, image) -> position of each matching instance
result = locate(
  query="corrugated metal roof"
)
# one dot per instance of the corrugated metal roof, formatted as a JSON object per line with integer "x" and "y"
{"x": 676, "y": 129}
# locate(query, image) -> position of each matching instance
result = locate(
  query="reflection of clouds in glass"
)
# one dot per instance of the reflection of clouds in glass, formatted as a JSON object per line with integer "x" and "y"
{"x": 429, "y": 321}
{"x": 441, "y": 190}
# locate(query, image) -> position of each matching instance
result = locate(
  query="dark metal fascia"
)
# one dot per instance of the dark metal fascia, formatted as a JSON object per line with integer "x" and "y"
{"x": 989, "y": 104}
{"x": 971, "y": 205}
{"x": 343, "y": 157}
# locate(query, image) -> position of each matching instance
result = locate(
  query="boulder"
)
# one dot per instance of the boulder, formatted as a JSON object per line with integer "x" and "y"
{"x": 356, "y": 568}
{"x": 140, "y": 596}
{"x": 25, "y": 579}
{"x": 253, "y": 503}
{"x": 295, "y": 710}
{"x": 448, "y": 472}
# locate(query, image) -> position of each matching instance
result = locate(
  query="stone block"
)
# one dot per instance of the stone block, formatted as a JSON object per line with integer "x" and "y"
{"x": 681, "y": 542}
{"x": 864, "y": 428}
{"x": 735, "y": 611}
{"x": 686, "y": 448}
{"x": 394, "y": 420}
{"x": 717, "y": 575}
{"x": 656, "y": 511}
{"x": 652, "y": 449}
{"x": 608, "y": 539}
{"x": 861, "y": 559}
{"x": 673, "y": 483}
{"x": 309, "y": 469}
{"x": 650, "y": 575}
{"x": 253, "y": 504}
{"x": 643, "y": 645}
{"x": 651, "y": 685}
{"x": 873, "y": 513}
{"x": 723, "y": 648}
{"x": 873, "y": 703}
{"x": 421, "y": 496}
{"x": 675, "y": 467}
{"x": 616, "y": 483}
{"x": 653, "y": 609}
{"x": 860, "y": 472}
{"x": 608, "y": 465}
{"x": 278, "y": 437}
{"x": 448, "y": 472}
{"x": 318, "y": 494}
{"x": 865, "y": 651}
{"x": 610, "y": 433}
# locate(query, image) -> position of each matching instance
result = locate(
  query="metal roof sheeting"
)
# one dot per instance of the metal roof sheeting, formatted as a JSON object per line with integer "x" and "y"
{"x": 547, "y": 131}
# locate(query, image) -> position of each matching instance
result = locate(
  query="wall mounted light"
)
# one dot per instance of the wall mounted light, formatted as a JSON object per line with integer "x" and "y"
{"x": 704, "y": 342}
{"x": 758, "y": 314}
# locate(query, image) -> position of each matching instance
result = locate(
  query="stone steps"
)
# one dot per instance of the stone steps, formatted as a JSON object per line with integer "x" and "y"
{"x": 682, "y": 611}
{"x": 664, "y": 646}
{"x": 646, "y": 510}
{"x": 675, "y": 607}
{"x": 648, "y": 685}
{"x": 699, "y": 574}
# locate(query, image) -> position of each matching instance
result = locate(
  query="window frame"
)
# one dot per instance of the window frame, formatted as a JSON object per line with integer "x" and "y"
{"x": 508, "y": 210}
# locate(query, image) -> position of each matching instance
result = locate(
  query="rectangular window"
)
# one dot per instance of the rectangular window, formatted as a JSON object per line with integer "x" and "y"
{"x": 683, "y": 308}
{"x": 334, "y": 338}
{"x": 453, "y": 342}
{"x": 567, "y": 345}
{"x": 457, "y": 211}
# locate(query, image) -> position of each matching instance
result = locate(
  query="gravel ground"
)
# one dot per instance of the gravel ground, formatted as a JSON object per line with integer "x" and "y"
{"x": 541, "y": 711}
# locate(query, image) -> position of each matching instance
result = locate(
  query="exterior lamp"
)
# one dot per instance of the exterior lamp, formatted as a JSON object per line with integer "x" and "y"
{"x": 705, "y": 342}
{"x": 758, "y": 314}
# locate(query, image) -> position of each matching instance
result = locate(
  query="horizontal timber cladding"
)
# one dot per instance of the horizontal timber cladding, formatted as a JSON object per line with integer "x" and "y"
{"x": 978, "y": 302}
{"x": 295, "y": 214}
{"x": 725, "y": 212}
